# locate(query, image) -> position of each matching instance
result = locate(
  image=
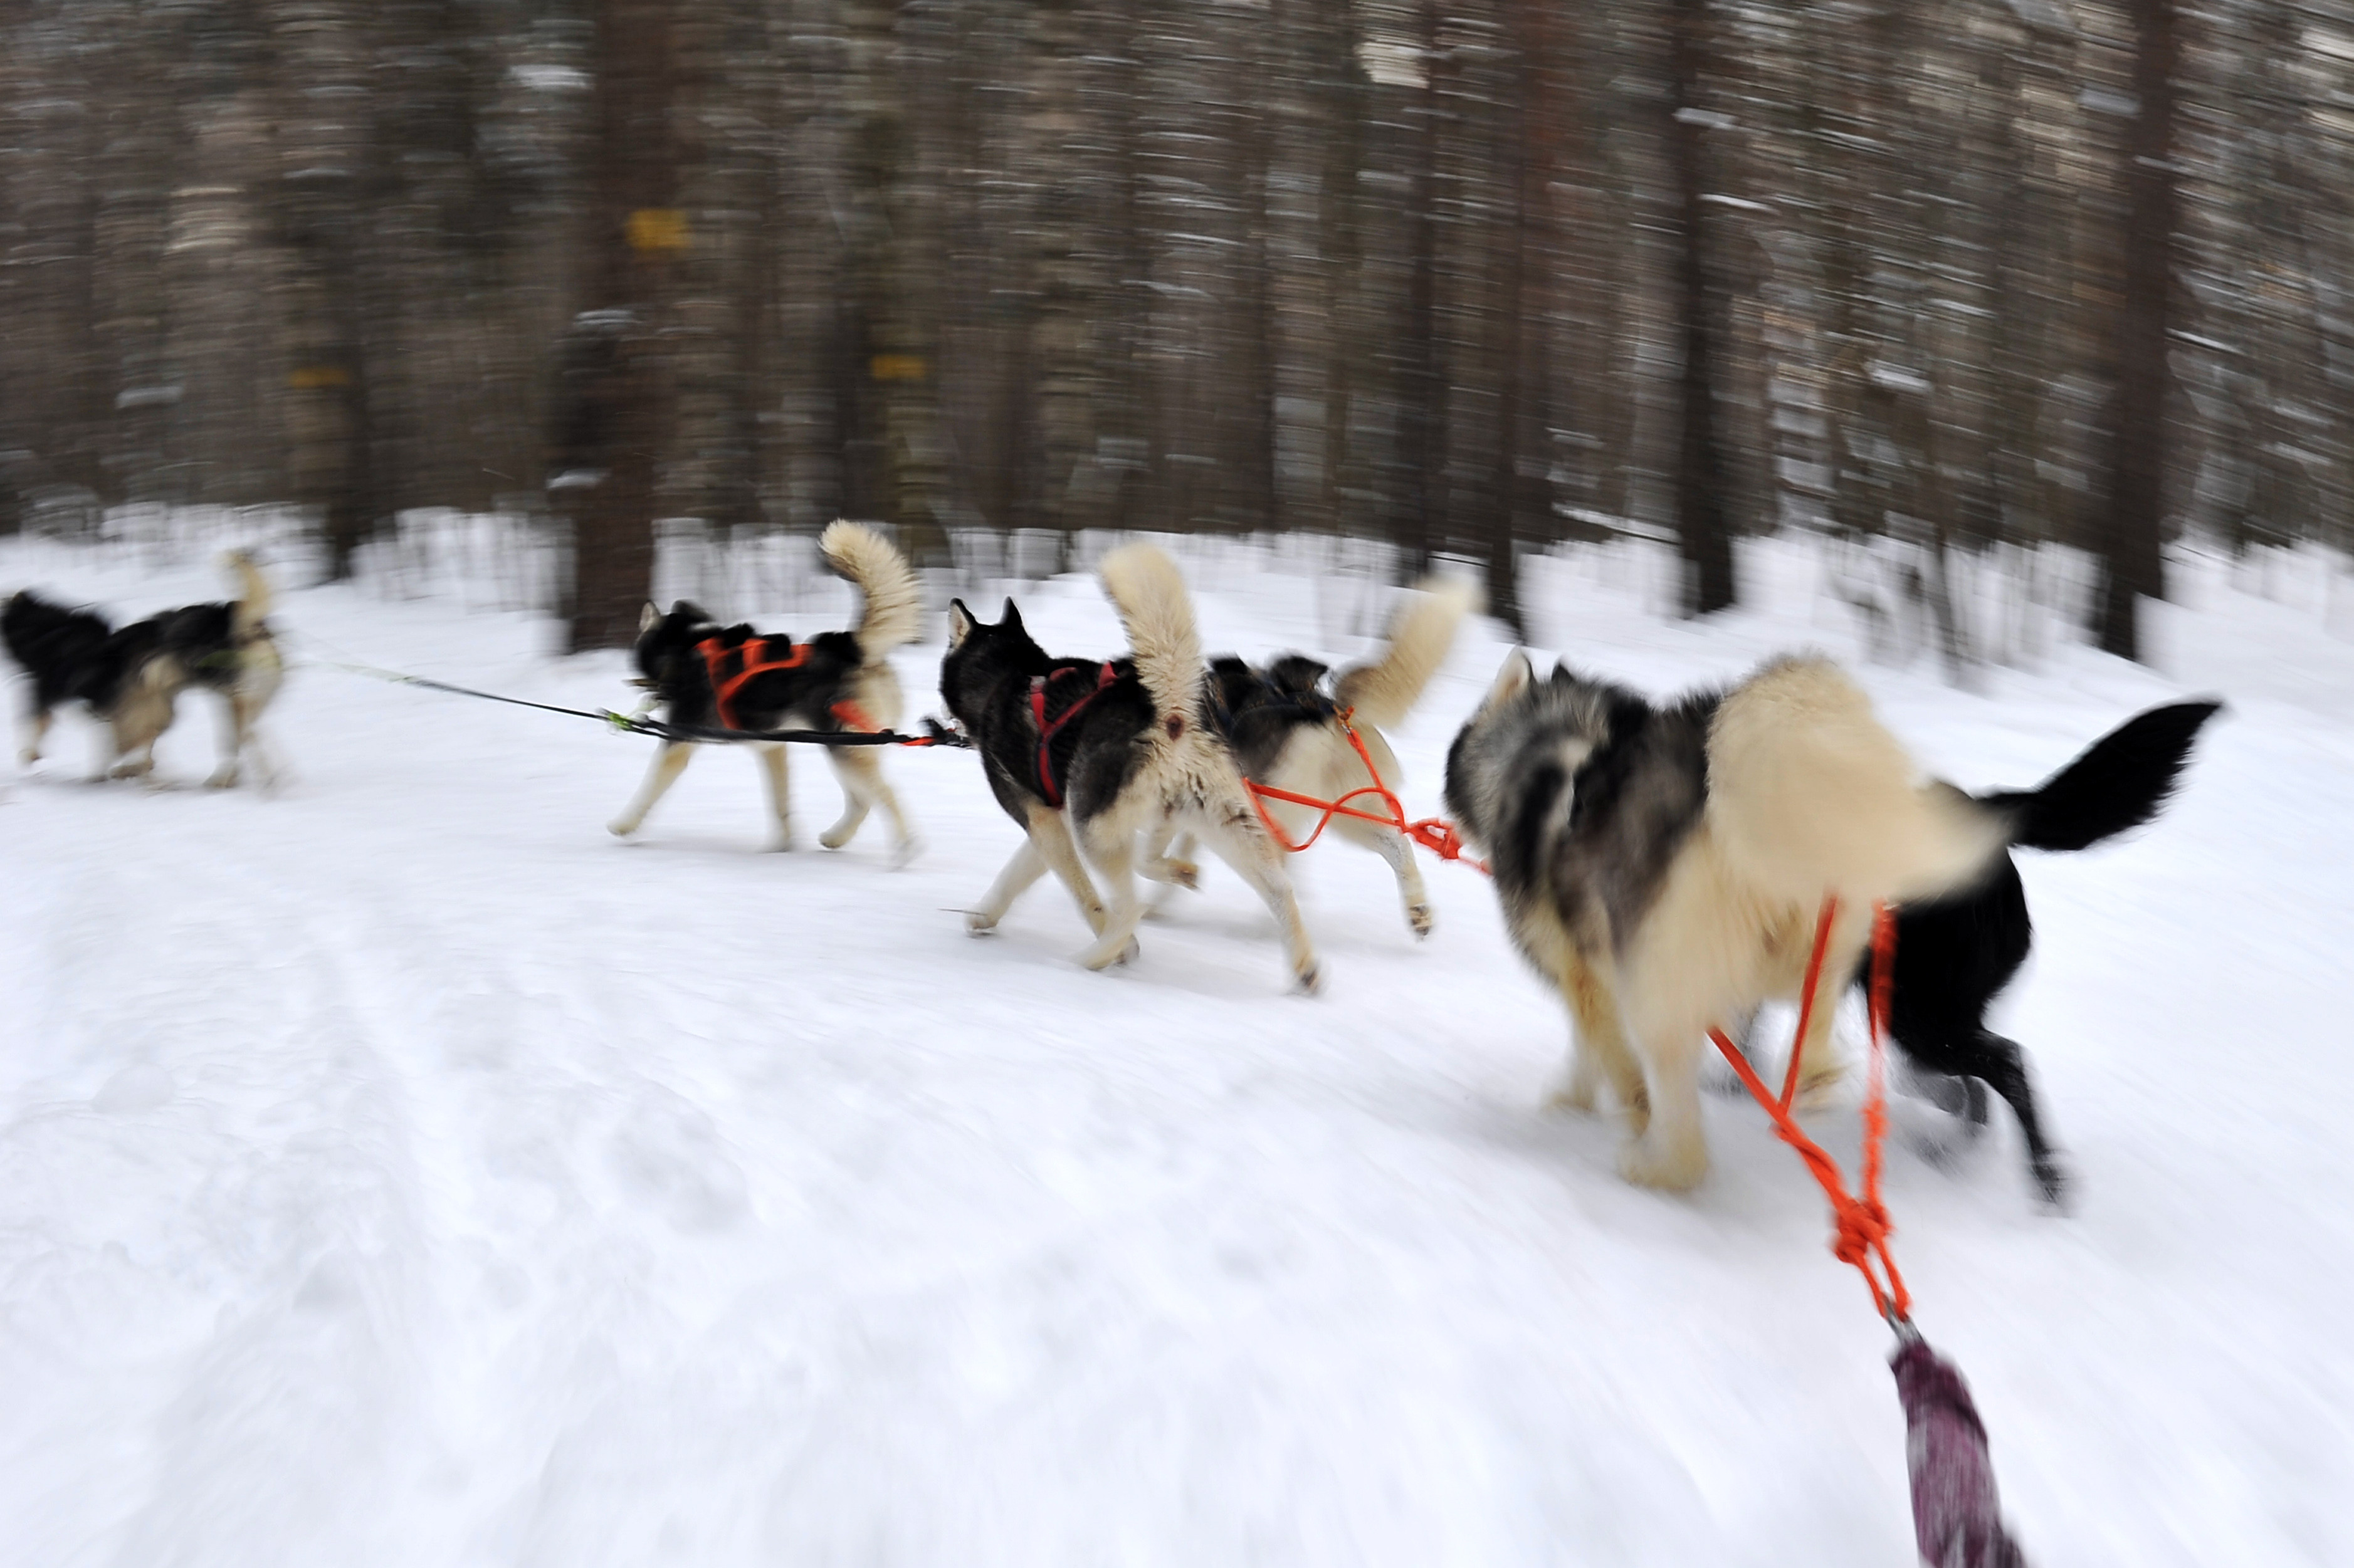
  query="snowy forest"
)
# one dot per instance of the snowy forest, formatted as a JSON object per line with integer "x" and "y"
{"x": 445, "y": 1135}
{"x": 1467, "y": 277}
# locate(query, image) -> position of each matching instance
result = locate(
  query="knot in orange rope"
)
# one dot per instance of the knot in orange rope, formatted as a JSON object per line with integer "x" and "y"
{"x": 1859, "y": 1225}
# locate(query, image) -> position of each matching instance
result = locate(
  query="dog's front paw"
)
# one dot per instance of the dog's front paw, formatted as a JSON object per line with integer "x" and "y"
{"x": 1419, "y": 917}
{"x": 222, "y": 778}
{"x": 622, "y": 827}
{"x": 1649, "y": 1161}
{"x": 903, "y": 854}
{"x": 1309, "y": 979}
{"x": 979, "y": 922}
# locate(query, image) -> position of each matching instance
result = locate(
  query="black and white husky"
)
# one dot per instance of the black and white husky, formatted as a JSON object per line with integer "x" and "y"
{"x": 1955, "y": 954}
{"x": 1664, "y": 865}
{"x": 1090, "y": 756}
{"x": 1284, "y": 723}
{"x": 707, "y": 676}
{"x": 130, "y": 677}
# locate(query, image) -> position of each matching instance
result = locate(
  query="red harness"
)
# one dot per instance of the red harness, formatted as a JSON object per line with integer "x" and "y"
{"x": 754, "y": 650}
{"x": 1105, "y": 677}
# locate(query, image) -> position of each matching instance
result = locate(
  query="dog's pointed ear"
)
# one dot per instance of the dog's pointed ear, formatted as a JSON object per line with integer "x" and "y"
{"x": 1011, "y": 620}
{"x": 647, "y": 618}
{"x": 1512, "y": 679}
{"x": 692, "y": 611}
{"x": 961, "y": 623}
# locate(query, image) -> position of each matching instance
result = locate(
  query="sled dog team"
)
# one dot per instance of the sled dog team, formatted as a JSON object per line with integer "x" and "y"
{"x": 1662, "y": 865}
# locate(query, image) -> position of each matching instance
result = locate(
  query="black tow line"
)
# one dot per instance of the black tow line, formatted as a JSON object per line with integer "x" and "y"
{"x": 934, "y": 733}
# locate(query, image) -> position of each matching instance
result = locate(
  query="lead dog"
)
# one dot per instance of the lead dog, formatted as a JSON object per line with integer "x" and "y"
{"x": 707, "y": 676}
{"x": 1664, "y": 865}
{"x": 1088, "y": 754}
{"x": 1286, "y": 729}
{"x": 130, "y": 677}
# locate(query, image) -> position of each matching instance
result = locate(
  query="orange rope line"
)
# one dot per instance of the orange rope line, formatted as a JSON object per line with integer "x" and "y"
{"x": 1861, "y": 1226}
{"x": 1434, "y": 833}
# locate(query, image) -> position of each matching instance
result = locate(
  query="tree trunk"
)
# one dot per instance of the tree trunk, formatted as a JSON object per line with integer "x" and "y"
{"x": 617, "y": 403}
{"x": 1702, "y": 527}
{"x": 2135, "y": 510}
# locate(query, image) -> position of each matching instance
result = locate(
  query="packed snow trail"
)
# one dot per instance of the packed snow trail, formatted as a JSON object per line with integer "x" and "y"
{"x": 399, "y": 1171}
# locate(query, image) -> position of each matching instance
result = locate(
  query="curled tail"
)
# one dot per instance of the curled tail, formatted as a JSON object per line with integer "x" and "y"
{"x": 1384, "y": 691}
{"x": 253, "y": 598}
{"x": 1810, "y": 794}
{"x": 2119, "y": 781}
{"x": 894, "y": 604}
{"x": 1147, "y": 589}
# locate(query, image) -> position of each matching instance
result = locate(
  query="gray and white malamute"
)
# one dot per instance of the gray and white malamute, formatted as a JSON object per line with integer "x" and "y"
{"x": 1090, "y": 756}
{"x": 709, "y": 677}
{"x": 1285, "y": 724}
{"x": 1664, "y": 865}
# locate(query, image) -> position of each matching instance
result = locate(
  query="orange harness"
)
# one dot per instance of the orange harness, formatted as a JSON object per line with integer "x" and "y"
{"x": 1434, "y": 833}
{"x": 753, "y": 649}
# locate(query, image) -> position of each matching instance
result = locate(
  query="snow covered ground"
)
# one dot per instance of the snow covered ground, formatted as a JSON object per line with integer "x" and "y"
{"x": 400, "y": 1171}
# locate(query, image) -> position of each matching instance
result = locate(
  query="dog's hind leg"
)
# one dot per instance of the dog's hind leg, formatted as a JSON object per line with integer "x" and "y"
{"x": 669, "y": 762}
{"x": 1399, "y": 850}
{"x": 2003, "y": 1066}
{"x": 1168, "y": 857}
{"x": 1111, "y": 850}
{"x": 780, "y": 794}
{"x": 1236, "y": 835}
{"x": 860, "y": 771}
{"x": 857, "y": 799}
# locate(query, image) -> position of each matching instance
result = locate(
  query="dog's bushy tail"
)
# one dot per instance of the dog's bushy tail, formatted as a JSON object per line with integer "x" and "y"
{"x": 894, "y": 604}
{"x": 1385, "y": 690}
{"x": 1150, "y": 594}
{"x": 253, "y": 598}
{"x": 2119, "y": 781}
{"x": 1810, "y": 794}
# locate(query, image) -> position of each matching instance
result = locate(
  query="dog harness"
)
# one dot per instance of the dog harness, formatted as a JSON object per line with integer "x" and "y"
{"x": 756, "y": 663}
{"x": 1105, "y": 677}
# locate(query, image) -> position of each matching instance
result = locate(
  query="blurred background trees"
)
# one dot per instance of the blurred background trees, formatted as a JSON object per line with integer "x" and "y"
{"x": 1947, "y": 282}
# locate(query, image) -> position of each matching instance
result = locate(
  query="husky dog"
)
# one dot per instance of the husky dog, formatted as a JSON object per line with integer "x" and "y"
{"x": 1087, "y": 755}
{"x": 1286, "y": 731}
{"x": 1955, "y": 954}
{"x": 1664, "y": 865}
{"x": 130, "y": 677}
{"x": 707, "y": 676}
